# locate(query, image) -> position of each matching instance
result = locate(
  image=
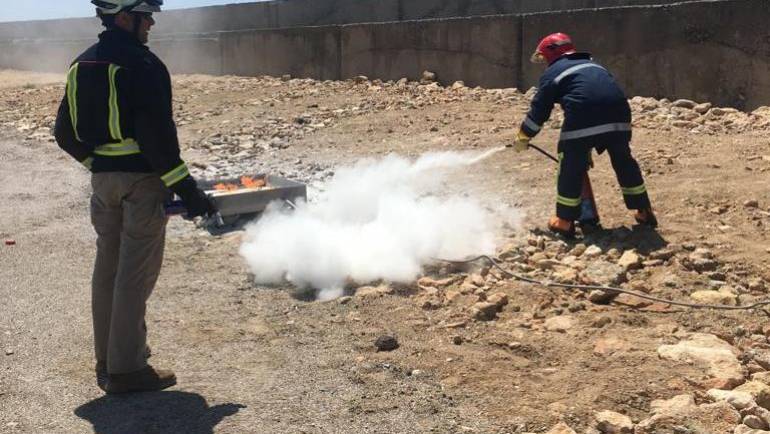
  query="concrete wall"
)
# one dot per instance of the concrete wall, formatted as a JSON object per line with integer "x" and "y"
{"x": 717, "y": 52}
{"x": 707, "y": 51}
{"x": 298, "y": 13}
{"x": 474, "y": 50}
{"x": 302, "y": 52}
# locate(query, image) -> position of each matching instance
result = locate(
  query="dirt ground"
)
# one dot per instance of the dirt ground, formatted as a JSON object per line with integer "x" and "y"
{"x": 263, "y": 360}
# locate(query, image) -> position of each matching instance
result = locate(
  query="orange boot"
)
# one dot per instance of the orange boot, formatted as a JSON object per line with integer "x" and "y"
{"x": 646, "y": 217}
{"x": 563, "y": 227}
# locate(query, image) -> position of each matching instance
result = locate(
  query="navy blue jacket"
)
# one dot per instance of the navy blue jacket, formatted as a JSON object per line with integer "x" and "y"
{"x": 594, "y": 105}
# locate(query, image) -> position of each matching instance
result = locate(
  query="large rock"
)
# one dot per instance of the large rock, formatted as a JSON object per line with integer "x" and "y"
{"x": 561, "y": 428}
{"x": 484, "y": 311}
{"x": 701, "y": 260}
{"x": 611, "y": 345}
{"x": 758, "y": 390}
{"x": 603, "y": 273}
{"x": 715, "y": 297}
{"x": 718, "y": 418}
{"x": 738, "y": 400}
{"x": 680, "y": 404}
{"x": 560, "y": 323}
{"x": 610, "y": 422}
{"x": 718, "y": 356}
{"x": 743, "y": 429}
{"x": 630, "y": 260}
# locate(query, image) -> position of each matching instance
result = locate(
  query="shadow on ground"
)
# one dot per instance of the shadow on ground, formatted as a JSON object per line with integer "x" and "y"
{"x": 159, "y": 412}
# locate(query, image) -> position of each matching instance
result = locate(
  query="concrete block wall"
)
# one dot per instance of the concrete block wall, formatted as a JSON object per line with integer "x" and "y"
{"x": 708, "y": 51}
{"x": 717, "y": 52}
{"x": 474, "y": 50}
{"x": 302, "y": 13}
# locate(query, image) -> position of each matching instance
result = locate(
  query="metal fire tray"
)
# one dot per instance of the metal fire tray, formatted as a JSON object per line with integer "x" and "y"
{"x": 245, "y": 201}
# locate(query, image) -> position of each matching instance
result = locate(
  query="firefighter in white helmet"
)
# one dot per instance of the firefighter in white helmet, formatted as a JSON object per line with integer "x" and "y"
{"x": 116, "y": 119}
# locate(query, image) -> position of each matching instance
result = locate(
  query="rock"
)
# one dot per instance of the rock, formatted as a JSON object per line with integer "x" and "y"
{"x": 565, "y": 275}
{"x": 680, "y": 404}
{"x": 609, "y": 422}
{"x": 428, "y": 77}
{"x": 374, "y": 291}
{"x": 752, "y": 203}
{"x": 458, "y": 85}
{"x": 601, "y": 322}
{"x": 561, "y": 428}
{"x": 499, "y": 299}
{"x": 663, "y": 254}
{"x": 560, "y": 323}
{"x": 756, "y": 284}
{"x": 758, "y": 390}
{"x": 344, "y": 299}
{"x": 743, "y": 429}
{"x": 360, "y": 79}
{"x": 286, "y": 77}
{"x": 630, "y": 260}
{"x": 762, "y": 377}
{"x": 547, "y": 264}
{"x": 598, "y": 296}
{"x": 762, "y": 357}
{"x": 715, "y": 297}
{"x": 429, "y": 301}
{"x": 701, "y": 260}
{"x": 386, "y": 343}
{"x": 738, "y": 400}
{"x": 9, "y": 351}
{"x": 603, "y": 273}
{"x": 592, "y": 252}
{"x": 484, "y": 311}
{"x": 684, "y": 103}
{"x": 719, "y": 356}
{"x": 607, "y": 346}
{"x": 702, "y": 108}
{"x": 437, "y": 283}
{"x": 755, "y": 422}
{"x": 704, "y": 419}
{"x": 579, "y": 249}
{"x": 671, "y": 280}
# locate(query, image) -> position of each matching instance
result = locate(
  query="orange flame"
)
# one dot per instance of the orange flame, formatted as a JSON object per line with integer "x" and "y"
{"x": 246, "y": 182}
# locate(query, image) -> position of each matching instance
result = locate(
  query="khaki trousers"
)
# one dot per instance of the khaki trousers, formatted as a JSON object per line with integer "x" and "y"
{"x": 130, "y": 222}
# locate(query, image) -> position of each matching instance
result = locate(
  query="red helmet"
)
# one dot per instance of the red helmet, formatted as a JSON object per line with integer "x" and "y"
{"x": 552, "y": 47}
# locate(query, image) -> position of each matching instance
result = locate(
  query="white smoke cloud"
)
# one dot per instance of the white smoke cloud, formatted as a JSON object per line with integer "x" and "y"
{"x": 376, "y": 220}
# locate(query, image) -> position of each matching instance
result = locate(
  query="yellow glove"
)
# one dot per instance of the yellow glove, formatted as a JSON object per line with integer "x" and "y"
{"x": 521, "y": 143}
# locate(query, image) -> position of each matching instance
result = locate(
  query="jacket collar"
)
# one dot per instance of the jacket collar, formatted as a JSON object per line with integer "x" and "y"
{"x": 119, "y": 36}
{"x": 573, "y": 56}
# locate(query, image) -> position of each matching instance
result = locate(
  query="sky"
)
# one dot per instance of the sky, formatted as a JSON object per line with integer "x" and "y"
{"x": 25, "y": 10}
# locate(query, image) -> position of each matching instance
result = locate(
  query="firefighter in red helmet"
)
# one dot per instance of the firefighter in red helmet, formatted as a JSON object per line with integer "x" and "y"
{"x": 596, "y": 115}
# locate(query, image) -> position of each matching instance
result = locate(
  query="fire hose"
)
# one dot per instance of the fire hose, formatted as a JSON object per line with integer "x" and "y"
{"x": 610, "y": 289}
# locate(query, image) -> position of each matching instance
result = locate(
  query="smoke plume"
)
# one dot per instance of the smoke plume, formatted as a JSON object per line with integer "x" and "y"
{"x": 378, "y": 219}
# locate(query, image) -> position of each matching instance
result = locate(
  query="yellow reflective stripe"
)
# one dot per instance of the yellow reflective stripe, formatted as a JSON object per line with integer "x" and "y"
{"x": 114, "y": 109}
{"x": 175, "y": 175}
{"x": 126, "y": 147}
{"x": 87, "y": 162}
{"x": 566, "y": 201}
{"x": 72, "y": 97}
{"x": 639, "y": 189}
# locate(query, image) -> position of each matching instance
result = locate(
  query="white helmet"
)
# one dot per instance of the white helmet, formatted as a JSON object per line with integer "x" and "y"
{"x": 112, "y": 7}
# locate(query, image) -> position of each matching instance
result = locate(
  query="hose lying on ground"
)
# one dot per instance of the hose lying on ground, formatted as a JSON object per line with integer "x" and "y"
{"x": 610, "y": 289}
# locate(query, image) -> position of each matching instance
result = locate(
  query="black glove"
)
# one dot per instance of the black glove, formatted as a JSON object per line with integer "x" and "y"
{"x": 194, "y": 199}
